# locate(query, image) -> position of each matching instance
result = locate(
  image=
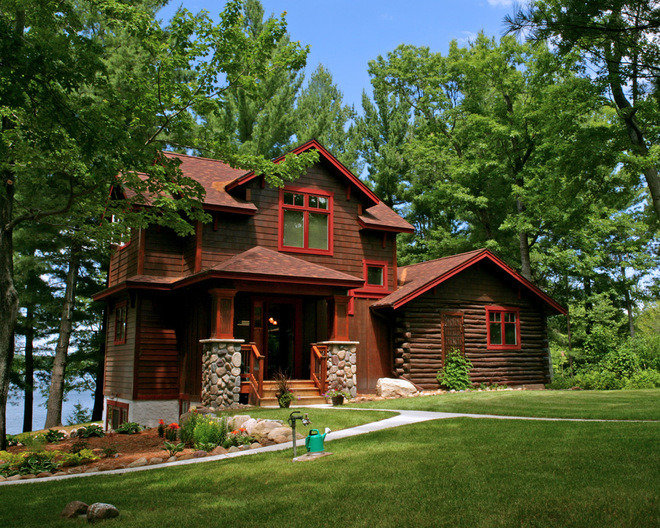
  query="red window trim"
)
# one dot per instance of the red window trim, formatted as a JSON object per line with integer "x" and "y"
{"x": 306, "y": 209}
{"x": 503, "y": 309}
{"x": 118, "y": 306}
{"x": 118, "y": 405}
{"x": 372, "y": 288}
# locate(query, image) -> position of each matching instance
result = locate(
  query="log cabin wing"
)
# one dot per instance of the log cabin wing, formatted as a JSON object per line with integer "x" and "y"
{"x": 477, "y": 304}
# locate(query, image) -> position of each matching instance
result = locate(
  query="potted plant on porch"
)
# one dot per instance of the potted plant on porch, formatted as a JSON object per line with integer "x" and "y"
{"x": 337, "y": 396}
{"x": 284, "y": 393}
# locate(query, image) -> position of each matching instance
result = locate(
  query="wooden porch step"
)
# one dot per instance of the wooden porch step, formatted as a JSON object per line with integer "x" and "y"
{"x": 305, "y": 391}
{"x": 272, "y": 401}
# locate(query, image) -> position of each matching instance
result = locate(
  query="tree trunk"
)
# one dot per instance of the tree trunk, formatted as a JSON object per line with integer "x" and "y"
{"x": 629, "y": 306}
{"x": 56, "y": 395}
{"x": 97, "y": 411}
{"x": 523, "y": 242}
{"x": 29, "y": 370}
{"x": 8, "y": 296}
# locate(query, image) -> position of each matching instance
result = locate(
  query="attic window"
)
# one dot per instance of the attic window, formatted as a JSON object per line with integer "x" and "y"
{"x": 305, "y": 221}
{"x": 375, "y": 276}
{"x": 503, "y": 327}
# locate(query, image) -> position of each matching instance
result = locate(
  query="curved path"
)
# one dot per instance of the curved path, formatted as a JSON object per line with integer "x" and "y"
{"x": 403, "y": 418}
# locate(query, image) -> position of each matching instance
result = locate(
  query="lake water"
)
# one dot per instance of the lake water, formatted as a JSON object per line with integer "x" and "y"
{"x": 15, "y": 410}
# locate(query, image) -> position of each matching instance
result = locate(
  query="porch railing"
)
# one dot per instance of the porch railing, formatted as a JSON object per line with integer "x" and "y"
{"x": 254, "y": 376}
{"x": 319, "y": 367}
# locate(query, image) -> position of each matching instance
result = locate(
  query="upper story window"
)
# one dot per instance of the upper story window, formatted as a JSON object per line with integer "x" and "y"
{"x": 503, "y": 327}
{"x": 306, "y": 221}
{"x": 375, "y": 276}
{"x": 121, "y": 323}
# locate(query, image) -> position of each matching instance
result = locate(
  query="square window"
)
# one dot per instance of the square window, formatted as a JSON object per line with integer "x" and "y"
{"x": 305, "y": 222}
{"x": 374, "y": 275}
{"x": 503, "y": 327}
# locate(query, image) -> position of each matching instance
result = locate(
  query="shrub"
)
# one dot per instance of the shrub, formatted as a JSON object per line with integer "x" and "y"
{"x": 90, "y": 431}
{"x": 455, "y": 375}
{"x": 598, "y": 380}
{"x": 238, "y": 438}
{"x": 172, "y": 431}
{"x": 129, "y": 428}
{"x": 52, "y": 435}
{"x": 623, "y": 363}
{"x": 82, "y": 456}
{"x": 78, "y": 446}
{"x": 30, "y": 462}
{"x": 646, "y": 348}
{"x": 644, "y": 379}
{"x": 210, "y": 431}
{"x": 187, "y": 427}
{"x": 561, "y": 382}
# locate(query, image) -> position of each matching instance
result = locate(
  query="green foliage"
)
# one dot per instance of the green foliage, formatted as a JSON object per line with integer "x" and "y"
{"x": 52, "y": 435}
{"x": 237, "y": 438}
{"x": 647, "y": 349}
{"x": 80, "y": 415}
{"x": 129, "y": 428}
{"x": 187, "y": 427}
{"x": 90, "y": 431}
{"x": 82, "y": 456}
{"x": 210, "y": 431}
{"x": 172, "y": 448}
{"x": 33, "y": 442}
{"x": 29, "y": 462}
{"x": 623, "y": 363}
{"x": 455, "y": 374}
{"x": 644, "y": 379}
{"x": 78, "y": 446}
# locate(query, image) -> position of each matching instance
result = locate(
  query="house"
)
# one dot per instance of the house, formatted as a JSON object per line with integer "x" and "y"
{"x": 301, "y": 279}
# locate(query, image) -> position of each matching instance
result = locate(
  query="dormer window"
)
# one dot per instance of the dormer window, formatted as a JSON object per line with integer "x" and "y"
{"x": 305, "y": 221}
{"x": 375, "y": 276}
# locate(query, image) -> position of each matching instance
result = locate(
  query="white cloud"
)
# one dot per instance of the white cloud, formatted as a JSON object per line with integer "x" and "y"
{"x": 500, "y": 3}
{"x": 467, "y": 37}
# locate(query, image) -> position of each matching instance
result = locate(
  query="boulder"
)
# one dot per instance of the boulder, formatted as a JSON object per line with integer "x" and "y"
{"x": 74, "y": 509}
{"x": 249, "y": 425}
{"x": 283, "y": 434}
{"x": 100, "y": 511}
{"x": 394, "y": 388}
{"x": 155, "y": 460}
{"x": 218, "y": 451}
{"x": 200, "y": 453}
{"x": 263, "y": 428}
{"x": 237, "y": 421}
{"x": 138, "y": 463}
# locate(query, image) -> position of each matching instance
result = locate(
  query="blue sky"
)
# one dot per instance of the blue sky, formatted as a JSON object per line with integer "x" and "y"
{"x": 345, "y": 35}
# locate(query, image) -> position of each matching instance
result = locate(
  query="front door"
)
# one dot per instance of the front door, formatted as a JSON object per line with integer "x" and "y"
{"x": 277, "y": 331}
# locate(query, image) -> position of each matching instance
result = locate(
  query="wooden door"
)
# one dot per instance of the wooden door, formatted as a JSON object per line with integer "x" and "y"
{"x": 452, "y": 333}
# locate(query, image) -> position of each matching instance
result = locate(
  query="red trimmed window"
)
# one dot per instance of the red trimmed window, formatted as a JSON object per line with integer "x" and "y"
{"x": 116, "y": 413}
{"x": 375, "y": 276}
{"x": 503, "y": 327}
{"x": 305, "y": 221}
{"x": 121, "y": 323}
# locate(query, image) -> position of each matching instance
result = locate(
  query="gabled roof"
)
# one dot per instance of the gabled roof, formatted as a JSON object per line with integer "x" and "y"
{"x": 325, "y": 155}
{"x": 214, "y": 175}
{"x": 381, "y": 217}
{"x": 417, "y": 279}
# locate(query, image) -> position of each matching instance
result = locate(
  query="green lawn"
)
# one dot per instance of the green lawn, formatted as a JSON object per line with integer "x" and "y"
{"x": 614, "y": 405}
{"x": 458, "y": 472}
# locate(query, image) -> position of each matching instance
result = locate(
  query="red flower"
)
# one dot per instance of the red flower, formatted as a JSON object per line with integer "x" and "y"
{"x": 173, "y": 425}
{"x": 161, "y": 422}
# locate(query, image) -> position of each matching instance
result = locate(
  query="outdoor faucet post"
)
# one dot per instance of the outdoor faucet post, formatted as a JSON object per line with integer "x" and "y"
{"x": 296, "y": 415}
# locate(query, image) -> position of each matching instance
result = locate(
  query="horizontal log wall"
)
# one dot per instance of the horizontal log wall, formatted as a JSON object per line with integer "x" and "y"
{"x": 418, "y": 332}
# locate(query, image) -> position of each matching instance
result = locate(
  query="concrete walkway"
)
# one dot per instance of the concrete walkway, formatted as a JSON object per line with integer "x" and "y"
{"x": 402, "y": 418}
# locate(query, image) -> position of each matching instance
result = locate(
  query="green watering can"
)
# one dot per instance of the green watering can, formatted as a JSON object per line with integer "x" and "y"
{"x": 314, "y": 441}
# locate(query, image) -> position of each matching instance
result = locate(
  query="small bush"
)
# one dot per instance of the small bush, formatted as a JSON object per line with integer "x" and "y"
{"x": 90, "y": 431}
{"x": 598, "y": 380}
{"x": 52, "y": 435}
{"x": 187, "y": 427}
{"x": 561, "y": 382}
{"x": 30, "y": 462}
{"x": 623, "y": 363}
{"x": 80, "y": 457}
{"x": 210, "y": 431}
{"x": 80, "y": 445}
{"x": 455, "y": 375}
{"x": 644, "y": 379}
{"x": 129, "y": 428}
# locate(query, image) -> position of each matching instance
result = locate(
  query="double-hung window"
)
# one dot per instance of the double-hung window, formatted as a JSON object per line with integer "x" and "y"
{"x": 305, "y": 221}
{"x": 121, "y": 323}
{"x": 375, "y": 276}
{"x": 503, "y": 327}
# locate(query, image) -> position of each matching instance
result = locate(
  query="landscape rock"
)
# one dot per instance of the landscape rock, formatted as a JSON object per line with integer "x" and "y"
{"x": 185, "y": 457}
{"x": 75, "y": 470}
{"x": 93, "y": 470}
{"x": 233, "y": 449}
{"x": 44, "y": 474}
{"x": 255, "y": 445}
{"x": 28, "y": 477}
{"x": 138, "y": 463}
{"x": 2, "y": 479}
{"x": 59, "y": 474}
{"x": 14, "y": 477}
{"x": 199, "y": 453}
{"x": 74, "y": 509}
{"x": 155, "y": 460}
{"x": 218, "y": 451}
{"x": 264, "y": 427}
{"x": 394, "y": 388}
{"x": 249, "y": 425}
{"x": 172, "y": 459}
{"x": 283, "y": 434}
{"x": 237, "y": 421}
{"x": 100, "y": 511}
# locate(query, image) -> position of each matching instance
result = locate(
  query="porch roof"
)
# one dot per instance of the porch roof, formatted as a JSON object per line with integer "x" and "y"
{"x": 262, "y": 264}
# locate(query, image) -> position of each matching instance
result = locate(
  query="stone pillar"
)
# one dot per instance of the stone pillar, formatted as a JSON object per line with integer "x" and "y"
{"x": 342, "y": 365}
{"x": 221, "y": 372}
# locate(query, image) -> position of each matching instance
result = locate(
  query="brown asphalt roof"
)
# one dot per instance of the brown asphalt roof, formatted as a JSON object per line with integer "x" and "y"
{"x": 380, "y": 215}
{"x": 416, "y": 279}
{"x": 260, "y": 261}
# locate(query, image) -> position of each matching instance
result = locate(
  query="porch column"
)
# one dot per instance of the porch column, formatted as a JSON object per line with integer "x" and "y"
{"x": 221, "y": 372}
{"x": 339, "y": 330}
{"x": 222, "y": 313}
{"x": 342, "y": 365}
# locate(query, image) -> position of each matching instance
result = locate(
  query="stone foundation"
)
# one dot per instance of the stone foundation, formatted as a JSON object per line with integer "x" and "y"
{"x": 342, "y": 365}
{"x": 221, "y": 372}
